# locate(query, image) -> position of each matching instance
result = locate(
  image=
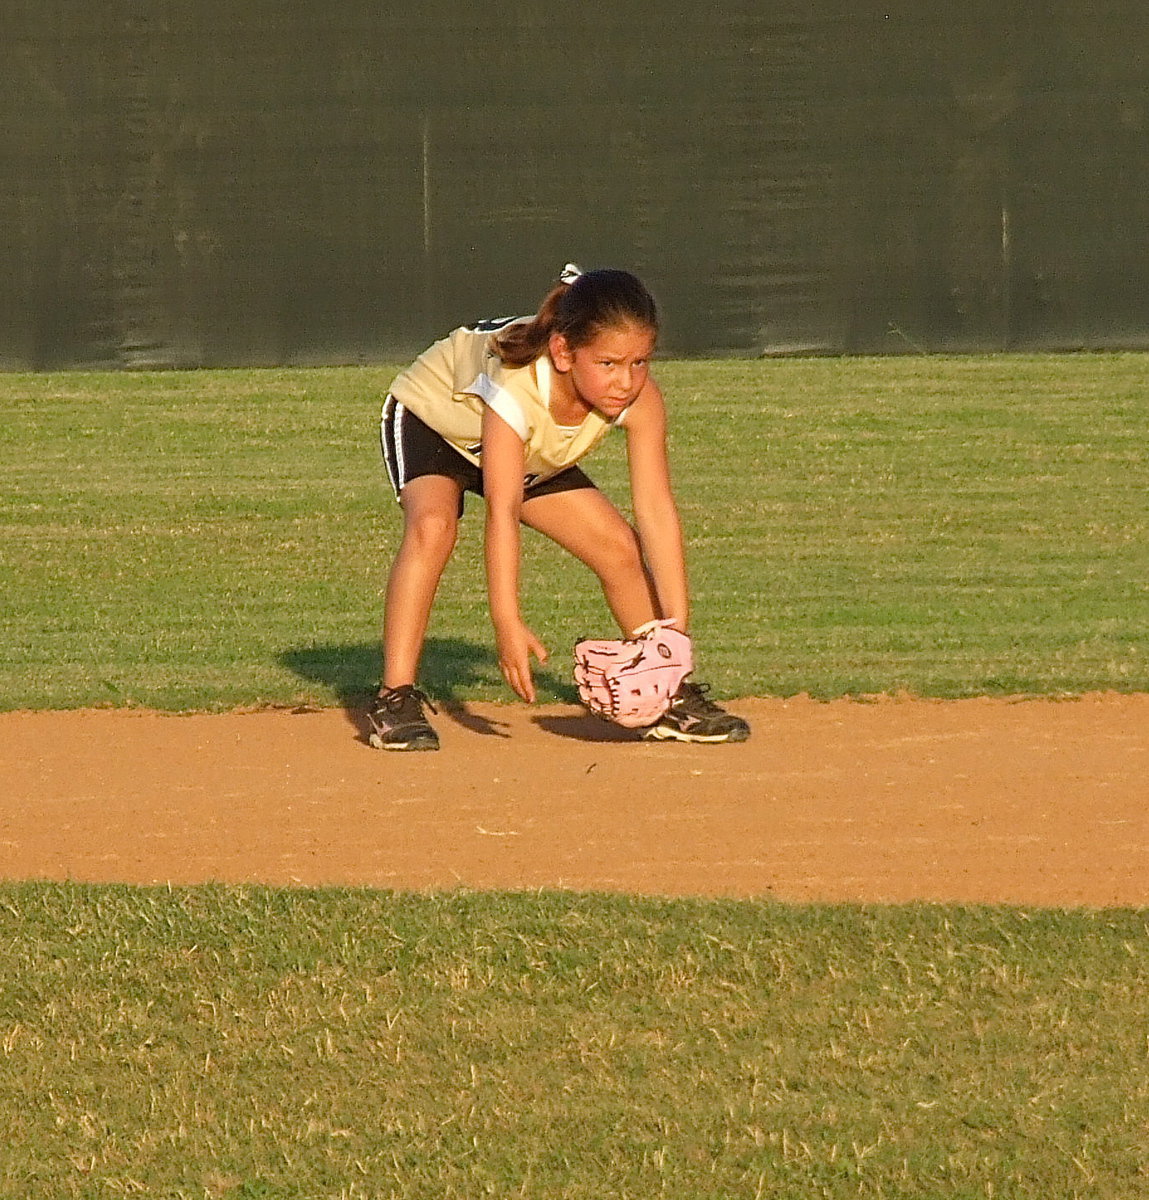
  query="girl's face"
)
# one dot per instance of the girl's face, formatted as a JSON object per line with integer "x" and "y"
{"x": 610, "y": 370}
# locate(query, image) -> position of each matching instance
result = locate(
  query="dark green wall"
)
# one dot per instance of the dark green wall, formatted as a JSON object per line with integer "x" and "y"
{"x": 217, "y": 182}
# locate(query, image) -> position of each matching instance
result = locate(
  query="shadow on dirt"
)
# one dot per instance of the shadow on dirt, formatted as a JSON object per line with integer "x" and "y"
{"x": 450, "y": 665}
{"x": 585, "y": 728}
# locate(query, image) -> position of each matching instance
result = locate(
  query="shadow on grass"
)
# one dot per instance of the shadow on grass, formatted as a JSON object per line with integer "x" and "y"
{"x": 450, "y": 667}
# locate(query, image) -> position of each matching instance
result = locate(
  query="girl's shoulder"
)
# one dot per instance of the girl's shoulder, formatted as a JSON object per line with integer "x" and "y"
{"x": 474, "y": 344}
{"x": 482, "y": 334}
{"x": 489, "y": 325}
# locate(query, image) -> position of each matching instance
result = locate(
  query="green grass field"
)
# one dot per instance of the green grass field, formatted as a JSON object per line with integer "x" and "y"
{"x": 948, "y": 526}
{"x": 250, "y": 1043}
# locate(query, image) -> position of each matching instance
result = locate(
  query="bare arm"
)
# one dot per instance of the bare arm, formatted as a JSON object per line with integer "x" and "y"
{"x": 655, "y": 510}
{"x": 503, "y": 489}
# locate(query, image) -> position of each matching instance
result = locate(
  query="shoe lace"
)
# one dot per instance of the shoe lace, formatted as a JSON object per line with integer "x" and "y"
{"x": 695, "y": 697}
{"x": 407, "y": 696}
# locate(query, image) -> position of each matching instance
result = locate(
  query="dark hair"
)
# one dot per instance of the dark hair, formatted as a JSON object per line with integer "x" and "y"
{"x": 579, "y": 310}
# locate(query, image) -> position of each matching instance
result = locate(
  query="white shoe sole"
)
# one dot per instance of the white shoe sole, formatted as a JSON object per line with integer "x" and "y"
{"x": 414, "y": 744}
{"x": 660, "y": 733}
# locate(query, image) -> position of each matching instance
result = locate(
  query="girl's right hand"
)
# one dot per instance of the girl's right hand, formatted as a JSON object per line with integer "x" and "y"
{"x": 516, "y": 643}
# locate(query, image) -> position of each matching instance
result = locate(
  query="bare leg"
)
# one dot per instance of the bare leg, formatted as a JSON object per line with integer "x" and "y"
{"x": 430, "y": 523}
{"x": 587, "y": 525}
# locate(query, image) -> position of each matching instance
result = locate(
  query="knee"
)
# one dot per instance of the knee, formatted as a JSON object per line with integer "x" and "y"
{"x": 431, "y": 535}
{"x": 619, "y": 555}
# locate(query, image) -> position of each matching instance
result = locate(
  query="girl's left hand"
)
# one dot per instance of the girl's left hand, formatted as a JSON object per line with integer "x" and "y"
{"x": 515, "y": 645}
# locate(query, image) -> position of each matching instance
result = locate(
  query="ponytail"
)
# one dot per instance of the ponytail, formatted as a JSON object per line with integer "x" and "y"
{"x": 579, "y": 306}
{"x": 520, "y": 344}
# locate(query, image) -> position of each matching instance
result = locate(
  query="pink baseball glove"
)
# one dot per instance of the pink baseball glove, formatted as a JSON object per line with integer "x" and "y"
{"x": 632, "y": 681}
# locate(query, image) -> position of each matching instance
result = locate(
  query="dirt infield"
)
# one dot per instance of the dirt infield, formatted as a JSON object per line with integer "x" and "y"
{"x": 1026, "y": 802}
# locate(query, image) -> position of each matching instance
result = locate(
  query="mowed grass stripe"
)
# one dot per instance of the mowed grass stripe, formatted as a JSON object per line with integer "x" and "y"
{"x": 947, "y": 526}
{"x": 252, "y": 1042}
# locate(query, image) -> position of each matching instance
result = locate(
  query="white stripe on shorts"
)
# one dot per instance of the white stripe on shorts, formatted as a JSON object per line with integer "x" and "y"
{"x": 391, "y": 441}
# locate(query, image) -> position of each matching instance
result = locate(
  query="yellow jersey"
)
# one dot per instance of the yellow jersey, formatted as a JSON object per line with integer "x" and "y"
{"x": 449, "y": 385}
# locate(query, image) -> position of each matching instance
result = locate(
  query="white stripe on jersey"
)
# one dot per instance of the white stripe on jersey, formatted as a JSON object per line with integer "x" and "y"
{"x": 543, "y": 375}
{"x": 500, "y": 401}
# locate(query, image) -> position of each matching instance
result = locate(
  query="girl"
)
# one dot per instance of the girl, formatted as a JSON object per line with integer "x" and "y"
{"x": 507, "y": 409}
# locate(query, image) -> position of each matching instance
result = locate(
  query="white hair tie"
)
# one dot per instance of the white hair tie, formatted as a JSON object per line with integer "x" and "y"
{"x": 570, "y": 273}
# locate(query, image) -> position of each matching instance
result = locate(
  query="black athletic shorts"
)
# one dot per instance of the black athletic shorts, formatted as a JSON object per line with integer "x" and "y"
{"x": 412, "y": 448}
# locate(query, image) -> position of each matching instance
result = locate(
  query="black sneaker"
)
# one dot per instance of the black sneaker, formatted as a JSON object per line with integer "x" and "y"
{"x": 398, "y": 723}
{"x": 692, "y": 717}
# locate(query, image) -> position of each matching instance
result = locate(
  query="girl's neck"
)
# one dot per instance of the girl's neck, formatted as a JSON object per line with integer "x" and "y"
{"x": 567, "y": 407}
